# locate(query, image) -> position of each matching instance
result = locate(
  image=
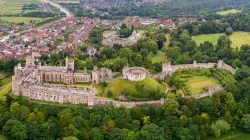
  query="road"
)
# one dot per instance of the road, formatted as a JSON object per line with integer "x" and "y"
{"x": 64, "y": 10}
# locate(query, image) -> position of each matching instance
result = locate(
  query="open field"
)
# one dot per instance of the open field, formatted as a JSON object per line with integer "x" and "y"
{"x": 198, "y": 83}
{"x": 159, "y": 57}
{"x": 5, "y": 86}
{"x": 26, "y": 20}
{"x": 234, "y": 135}
{"x": 13, "y": 6}
{"x": 5, "y": 89}
{"x": 2, "y": 137}
{"x": 117, "y": 86}
{"x": 208, "y": 37}
{"x": 233, "y": 11}
{"x": 238, "y": 38}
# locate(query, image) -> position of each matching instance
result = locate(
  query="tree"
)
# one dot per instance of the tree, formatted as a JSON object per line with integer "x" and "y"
{"x": 151, "y": 131}
{"x": 157, "y": 66}
{"x": 173, "y": 52}
{"x": 245, "y": 123}
{"x": 15, "y": 130}
{"x": 138, "y": 60}
{"x": 229, "y": 31}
{"x": 148, "y": 62}
{"x": 65, "y": 118}
{"x": 171, "y": 108}
{"x": 230, "y": 103}
{"x": 40, "y": 118}
{"x": 220, "y": 126}
{"x": 96, "y": 134}
{"x": 24, "y": 112}
{"x": 119, "y": 64}
{"x": 116, "y": 134}
{"x": 109, "y": 93}
{"x": 70, "y": 130}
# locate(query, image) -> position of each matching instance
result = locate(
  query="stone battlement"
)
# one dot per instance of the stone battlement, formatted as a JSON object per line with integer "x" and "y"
{"x": 169, "y": 69}
{"x": 134, "y": 73}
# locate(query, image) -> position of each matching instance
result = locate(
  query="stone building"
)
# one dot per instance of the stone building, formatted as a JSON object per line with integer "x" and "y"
{"x": 31, "y": 81}
{"x": 134, "y": 73}
{"x": 61, "y": 74}
{"x": 134, "y": 21}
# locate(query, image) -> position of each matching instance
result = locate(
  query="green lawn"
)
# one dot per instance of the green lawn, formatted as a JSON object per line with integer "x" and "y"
{"x": 234, "y": 135}
{"x": 117, "y": 86}
{"x": 5, "y": 89}
{"x": 6, "y": 86}
{"x": 5, "y": 81}
{"x": 2, "y": 137}
{"x": 233, "y": 11}
{"x": 26, "y": 20}
{"x": 208, "y": 37}
{"x": 159, "y": 57}
{"x": 198, "y": 83}
{"x": 238, "y": 38}
{"x": 13, "y": 6}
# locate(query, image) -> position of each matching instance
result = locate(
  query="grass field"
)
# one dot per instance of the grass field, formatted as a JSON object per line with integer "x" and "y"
{"x": 208, "y": 37}
{"x": 2, "y": 137}
{"x": 13, "y": 6}
{"x": 6, "y": 86}
{"x": 159, "y": 57}
{"x": 238, "y": 38}
{"x": 234, "y": 135}
{"x": 26, "y": 20}
{"x": 117, "y": 86}
{"x": 233, "y": 11}
{"x": 198, "y": 83}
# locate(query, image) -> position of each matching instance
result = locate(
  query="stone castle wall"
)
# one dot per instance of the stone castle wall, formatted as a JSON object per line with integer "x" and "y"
{"x": 169, "y": 70}
{"x": 211, "y": 91}
{"x": 134, "y": 73}
{"x": 73, "y": 96}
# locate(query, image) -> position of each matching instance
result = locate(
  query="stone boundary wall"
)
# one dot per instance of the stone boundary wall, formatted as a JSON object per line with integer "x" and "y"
{"x": 108, "y": 102}
{"x": 209, "y": 93}
{"x": 73, "y": 96}
{"x": 169, "y": 70}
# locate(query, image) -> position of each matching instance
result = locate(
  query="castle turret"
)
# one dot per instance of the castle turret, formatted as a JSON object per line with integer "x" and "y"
{"x": 29, "y": 61}
{"x": 70, "y": 64}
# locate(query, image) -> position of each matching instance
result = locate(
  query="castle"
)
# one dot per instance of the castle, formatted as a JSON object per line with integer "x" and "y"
{"x": 33, "y": 80}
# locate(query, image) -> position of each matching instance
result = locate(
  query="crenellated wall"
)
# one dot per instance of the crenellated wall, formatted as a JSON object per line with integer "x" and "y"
{"x": 169, "y": 70}
{"x": 134, "y": 73}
